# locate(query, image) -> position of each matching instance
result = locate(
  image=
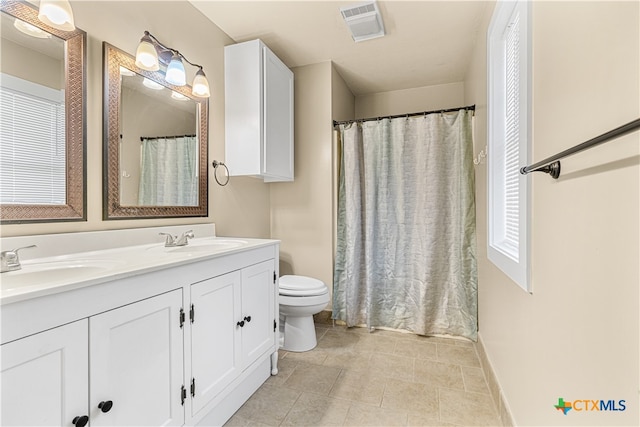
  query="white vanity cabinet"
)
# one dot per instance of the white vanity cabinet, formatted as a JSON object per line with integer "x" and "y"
{"x": 215, "y": 350}
{"x": 258, "y": 113}
{"x": 258, "y": 334}
{"x": 45, "y": 377}
{"x": 126, "y": 363}
{"x": 182, "y": 344}
{"x": 136, "y": 363}
{"x": 233, "y": 325}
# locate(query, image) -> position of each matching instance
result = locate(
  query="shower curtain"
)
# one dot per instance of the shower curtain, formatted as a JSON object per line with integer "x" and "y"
{"x": 169, "y": 172}
{"x": 405, "y": 255}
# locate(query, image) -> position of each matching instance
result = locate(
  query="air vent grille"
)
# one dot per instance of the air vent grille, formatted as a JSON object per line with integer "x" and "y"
{"x": 358, "y": 10}
{"x": 363, "y": 20}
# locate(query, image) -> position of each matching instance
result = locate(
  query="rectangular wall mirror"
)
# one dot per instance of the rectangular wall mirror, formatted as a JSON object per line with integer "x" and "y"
{"x": 155, "y": 143}
{"x": 42, "y": 126}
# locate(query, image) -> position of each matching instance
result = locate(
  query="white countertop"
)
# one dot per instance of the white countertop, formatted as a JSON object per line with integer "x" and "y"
{"x": 46, "y": 276}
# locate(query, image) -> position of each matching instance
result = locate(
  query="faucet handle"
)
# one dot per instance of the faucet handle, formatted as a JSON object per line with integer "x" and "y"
{"x": 170, "y": 239}
{"x": 9, "y": 260}
{"x": 184, "y": 239}
{"x": 15, "y": 251}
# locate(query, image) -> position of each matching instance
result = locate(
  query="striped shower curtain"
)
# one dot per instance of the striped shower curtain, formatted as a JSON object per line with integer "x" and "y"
{"x": 406, "y": 252}
{"x": 169, "y": 172}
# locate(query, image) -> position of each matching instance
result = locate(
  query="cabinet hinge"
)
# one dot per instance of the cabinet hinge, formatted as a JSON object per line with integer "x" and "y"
{"x": 274, "y": 277}
{"x": 183, "y": 395}
{"x": 192, "y": 314}
{"x": 274, "y": 325}
{"x": 193, "y": 387}
{"x": 181, "y": 317}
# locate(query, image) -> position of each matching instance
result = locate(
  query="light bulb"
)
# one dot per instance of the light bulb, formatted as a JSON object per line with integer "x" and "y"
{"x": 30, "y": 30}
{"x": 152, "y": 85}
{"x": 176, "y": 74}
{"x": 200, "y": 85}
{"x": 57, "y": 14}
{"x": 126, "y": 72}
{"x": 146, "y": 55}
{"x": 178, "y": 96}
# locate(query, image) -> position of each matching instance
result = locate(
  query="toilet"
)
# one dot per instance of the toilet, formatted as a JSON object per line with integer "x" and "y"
{"x": 300, "y": 298}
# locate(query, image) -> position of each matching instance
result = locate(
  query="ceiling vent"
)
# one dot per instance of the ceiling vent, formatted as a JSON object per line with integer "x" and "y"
{"x": 364, "y": 21}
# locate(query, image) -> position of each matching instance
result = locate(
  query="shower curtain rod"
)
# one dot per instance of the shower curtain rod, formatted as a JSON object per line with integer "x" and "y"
{"x": 423, "y": 113}
{"x": 142, "y": 138}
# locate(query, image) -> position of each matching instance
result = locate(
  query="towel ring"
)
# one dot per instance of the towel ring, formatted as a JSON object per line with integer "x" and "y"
{"x": 215, "y": 165}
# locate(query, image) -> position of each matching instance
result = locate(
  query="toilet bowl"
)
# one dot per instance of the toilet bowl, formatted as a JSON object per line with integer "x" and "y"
{"x": 300, "y": 298}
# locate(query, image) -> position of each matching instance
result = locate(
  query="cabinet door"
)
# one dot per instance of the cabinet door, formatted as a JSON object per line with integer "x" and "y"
{"x": 278, "y": 119}
{"x": 45, "y": 377}
{"x": 136, "y": 354}
{"x": 215, "y": 347}
{"x": 258, "y": 303}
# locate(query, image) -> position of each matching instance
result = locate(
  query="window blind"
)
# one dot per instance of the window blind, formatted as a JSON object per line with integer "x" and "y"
{"x": 512, "y": 138}
{"x": 32, "y": 149}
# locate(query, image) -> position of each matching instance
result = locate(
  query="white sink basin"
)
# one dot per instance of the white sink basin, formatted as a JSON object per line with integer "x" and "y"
{"x": 202, "y": 246}
{"x": 39, "y": 273}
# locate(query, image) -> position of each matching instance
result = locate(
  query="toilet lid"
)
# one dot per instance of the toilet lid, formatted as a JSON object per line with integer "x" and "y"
{"x": 301, "y": 286}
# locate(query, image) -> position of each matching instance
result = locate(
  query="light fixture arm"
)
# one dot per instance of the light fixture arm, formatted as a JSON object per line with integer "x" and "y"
{"x": 167, "y": 48}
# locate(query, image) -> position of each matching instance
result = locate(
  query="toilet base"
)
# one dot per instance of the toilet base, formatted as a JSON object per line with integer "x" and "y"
{"x": 299, "y": 334}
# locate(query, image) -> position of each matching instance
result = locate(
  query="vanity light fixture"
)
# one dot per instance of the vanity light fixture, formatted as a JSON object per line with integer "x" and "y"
{"x": 178, "y": 96}
{"x": 126, "y": 72}
{"x": 146, "y": 54}
{"x": 30, "y": 30}
{"x": 56, "y": 14}
{"x": 151, "y": 52}
{"x": 151, "y": 84}
{"x": 176, "y": 75}
{"x": 201, "y": 85}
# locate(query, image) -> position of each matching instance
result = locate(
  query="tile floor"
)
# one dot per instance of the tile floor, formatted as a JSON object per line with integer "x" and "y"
{"x": 384, "y": 378}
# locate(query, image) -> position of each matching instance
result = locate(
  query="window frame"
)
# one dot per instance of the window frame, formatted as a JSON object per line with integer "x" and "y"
{"x": 513, "y": 261}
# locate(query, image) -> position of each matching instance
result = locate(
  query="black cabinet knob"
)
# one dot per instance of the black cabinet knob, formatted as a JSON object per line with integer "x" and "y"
{"x": 105, "y": 406}
{"x": 80, "y": 421}
{"x": 248, "y": 318}
{"x": 240, "y": 323}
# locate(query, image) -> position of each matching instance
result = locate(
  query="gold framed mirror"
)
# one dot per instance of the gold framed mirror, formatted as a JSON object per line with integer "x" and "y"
{"x": 155, "y": 143}
{"x": 43, "y": 135}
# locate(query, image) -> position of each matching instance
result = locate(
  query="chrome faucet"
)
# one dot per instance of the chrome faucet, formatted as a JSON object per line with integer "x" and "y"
{"x": 184, "y": 239}
{"x": 172, "y": 241}
{"x": 9, "y": 260}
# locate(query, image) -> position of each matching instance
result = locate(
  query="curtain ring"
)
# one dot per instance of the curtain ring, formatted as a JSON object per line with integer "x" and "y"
{"x": 215, "y": 165}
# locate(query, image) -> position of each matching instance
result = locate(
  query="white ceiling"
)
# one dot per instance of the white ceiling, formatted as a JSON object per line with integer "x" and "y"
{"x": 427, "y": 42}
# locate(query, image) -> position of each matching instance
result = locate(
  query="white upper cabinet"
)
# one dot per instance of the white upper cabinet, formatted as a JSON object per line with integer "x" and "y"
{"x": 258, "y": 113}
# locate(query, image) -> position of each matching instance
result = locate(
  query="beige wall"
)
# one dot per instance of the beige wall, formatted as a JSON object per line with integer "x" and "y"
{"x": 301, "y": 211}
{"x": 414, "y": 100}
{"x": 242, "y": 207}
{"x": 28, "y": 64}
{"x": 342, "y": 100}
{"x": 576, "y": 336}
